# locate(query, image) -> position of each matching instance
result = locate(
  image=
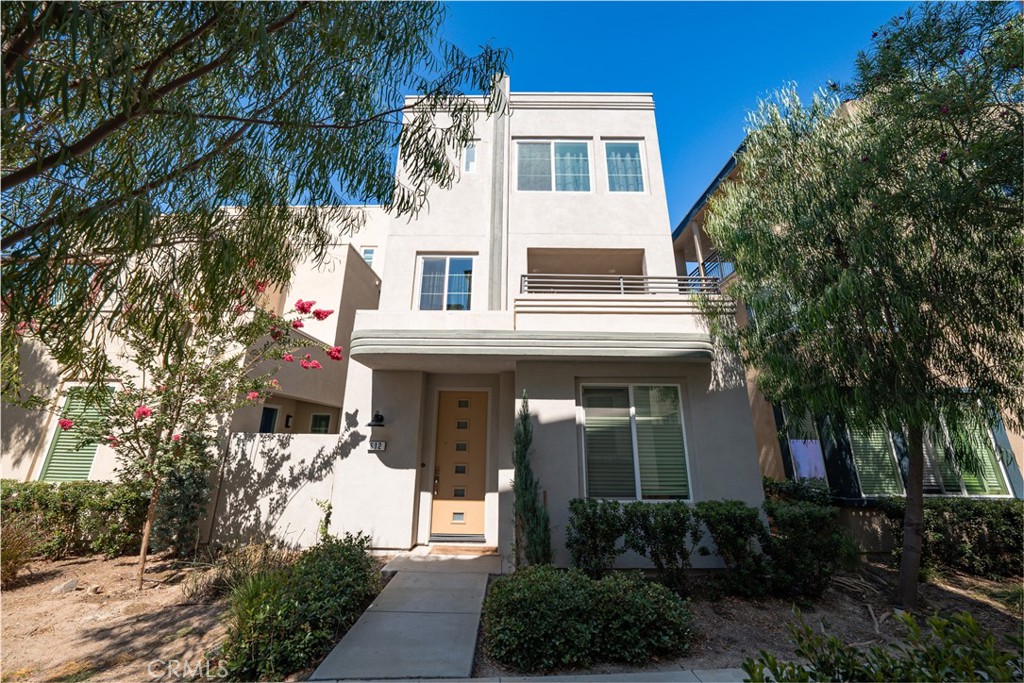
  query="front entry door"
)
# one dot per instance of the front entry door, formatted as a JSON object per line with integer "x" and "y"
{"x": 460, "y": 462}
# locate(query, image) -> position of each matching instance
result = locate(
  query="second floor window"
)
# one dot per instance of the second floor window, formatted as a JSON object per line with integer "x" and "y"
{"x": 446, "y": 283}
{"x": 562, "y": 166}
{"x": 469, "y": 158}
{"x": 625, "y": 171}
{"x": 368, "y": 253}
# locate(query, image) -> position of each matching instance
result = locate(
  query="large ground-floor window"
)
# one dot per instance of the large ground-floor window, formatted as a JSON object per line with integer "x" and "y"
{"x": 634, "y": 446}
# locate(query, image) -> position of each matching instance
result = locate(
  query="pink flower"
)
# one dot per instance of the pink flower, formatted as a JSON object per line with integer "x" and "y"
{"x": 315, "y": 365}
{"x": 176, "y": 437}
{"x": 253, "y": 396}
{"x": 261, "y": 287}
{"x": 142, "y": 412}
{"x": 275, "y": 333}
{"x": 304, "y": 306}
{"x": 321, "y": 313}
{"x": 335, "y": 353}
{"x": 296, "y": 324}
{"x": 288, "y": 358}
{"x": 275, "y": 384}
{"x": 308, "y": 356}
{"x": 304, "y": 363}
{"x": 65, "y": 423}
{"x": 162, "y": 388}
{"x": 239, "y": 309}
{"x": 113, "y": 441}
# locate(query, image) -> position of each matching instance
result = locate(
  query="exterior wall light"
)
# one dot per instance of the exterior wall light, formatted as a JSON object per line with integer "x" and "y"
{"x": 377, "y": 421}
{"x": 288, "y": 421}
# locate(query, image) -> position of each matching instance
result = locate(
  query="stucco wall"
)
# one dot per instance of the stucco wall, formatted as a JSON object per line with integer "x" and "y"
{"x": 719, "y": 437}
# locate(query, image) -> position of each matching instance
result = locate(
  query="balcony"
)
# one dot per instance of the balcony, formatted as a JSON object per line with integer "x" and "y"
{"x": 622, "y": 285}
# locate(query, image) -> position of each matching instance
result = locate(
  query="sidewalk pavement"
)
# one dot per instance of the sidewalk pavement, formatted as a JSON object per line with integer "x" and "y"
{"x": 679, "y": 676}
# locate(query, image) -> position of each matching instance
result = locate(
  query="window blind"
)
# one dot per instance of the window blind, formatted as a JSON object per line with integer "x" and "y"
{"x": 989, "y": 481}
{"x": 876, "y": 467}
{"x": 659, "y": 436}
{"x": 609, "y": 443}
{"x": 625, "y": 173}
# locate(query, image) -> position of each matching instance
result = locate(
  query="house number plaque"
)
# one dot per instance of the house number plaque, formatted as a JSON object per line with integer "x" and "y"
{"x": 378, "y": 445}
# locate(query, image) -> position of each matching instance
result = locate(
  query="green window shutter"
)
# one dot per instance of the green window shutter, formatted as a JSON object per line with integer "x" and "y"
{"x": 608, "y": 443}
{"x": 940, "y": 476}
{"x": 68, "y": 459}
{"x": 659, "y": 438}
{"x": 990, "y": 481}
{"x": 876, "y": 467}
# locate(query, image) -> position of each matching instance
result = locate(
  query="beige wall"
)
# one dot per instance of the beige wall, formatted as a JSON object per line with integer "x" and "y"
{"x": 717, "y": 427}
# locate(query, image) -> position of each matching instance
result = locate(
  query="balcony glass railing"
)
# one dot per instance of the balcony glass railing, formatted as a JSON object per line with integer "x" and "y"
{"x": 549, "y": 283}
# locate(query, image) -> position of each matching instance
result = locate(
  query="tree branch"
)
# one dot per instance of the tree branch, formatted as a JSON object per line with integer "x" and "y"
{"x": 102, "y": 131}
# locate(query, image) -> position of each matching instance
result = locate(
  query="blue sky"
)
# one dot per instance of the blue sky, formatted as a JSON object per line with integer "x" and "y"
{"x": 707, "y": 63}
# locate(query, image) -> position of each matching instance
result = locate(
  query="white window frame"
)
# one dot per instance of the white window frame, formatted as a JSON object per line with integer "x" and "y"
{"x": 373, "y": 250}
{"x": 551, "y": 143}
{"x": 581, "y": 422}
{"x": 417, "y": 290}
{"x": 642, "y": 148}
{"x": 470, "y": 165}
{"x": 313, "y": 417}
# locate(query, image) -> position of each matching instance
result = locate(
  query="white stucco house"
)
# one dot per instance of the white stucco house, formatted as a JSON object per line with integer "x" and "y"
{"x": 547, "y": 270}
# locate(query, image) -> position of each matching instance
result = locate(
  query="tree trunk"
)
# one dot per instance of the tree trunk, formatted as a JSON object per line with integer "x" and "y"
{"x": 147, "y": 530}
{"x": 913, "y": 522}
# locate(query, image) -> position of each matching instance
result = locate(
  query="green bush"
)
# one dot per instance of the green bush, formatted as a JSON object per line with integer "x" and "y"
{"x": 738, "y": 534}
{"x": 285, "y": 620}
{"x": 542, "y": 618}
{"x": 182, "y": 504}
{"x": 79, "y": 517}
{"x": 18, "y": 545}
{"x": 229, "y": 570}
{"x": 810, "y": 490}
{"x": 532, "y": 523}
{"x": 983, "y": 537}
{"x": 802, "y": 550}
{"x": 954, "y": 649}
{"x": 667, "y": 533}
{"x": 592, "y": 535}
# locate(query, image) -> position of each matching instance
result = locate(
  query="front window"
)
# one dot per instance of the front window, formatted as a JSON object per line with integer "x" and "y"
{"x": 368, "y": 253}
{"x": 446, "y": 283}
{"x": 875, "y": 459}
{"x": 320, "y": 424}
{"x": 942, "y": 476}
{"x": 565, "y": 165}
{"x": 469, "y": 158}
{"x": 625, "y": 170}
{"x": 633, "y": 443}
{"x": 804, "y": 447}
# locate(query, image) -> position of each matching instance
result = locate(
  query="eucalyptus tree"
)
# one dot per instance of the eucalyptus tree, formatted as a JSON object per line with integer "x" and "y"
{"x": 879, "y": 243}
{"x": 129, "y": 126}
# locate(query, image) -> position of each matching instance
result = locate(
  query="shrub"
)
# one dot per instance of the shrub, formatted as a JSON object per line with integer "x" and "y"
{"x": 954, "y": 649}
{"x": 667, "y": 533}
{"x": 17, "y": 546}
{"x": 970, "y": 535}
{"x": 592, "y": 534}
{"x": 79, "y": 517}
{"x": 284, "y": 620}
{"x": 802, "y": 549}
{"x": 738, "y": 535}
{"x": 539, "y": 619}
{"x": 233, "y": 568}
{"x": 183, "y": 500}
{"x": 542, "y": 618}
{"x": 638, "y": 620}
{"x": 810, "y": 490}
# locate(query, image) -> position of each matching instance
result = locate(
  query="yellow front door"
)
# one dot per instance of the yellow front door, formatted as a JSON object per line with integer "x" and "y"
{"x": 460, "y": 462}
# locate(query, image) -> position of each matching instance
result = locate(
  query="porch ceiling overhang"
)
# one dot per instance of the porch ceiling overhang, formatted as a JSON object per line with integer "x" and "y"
{"x": 500, "y": 349}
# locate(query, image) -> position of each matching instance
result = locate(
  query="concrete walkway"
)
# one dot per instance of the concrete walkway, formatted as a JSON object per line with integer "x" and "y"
{"x": 422, "y": 625}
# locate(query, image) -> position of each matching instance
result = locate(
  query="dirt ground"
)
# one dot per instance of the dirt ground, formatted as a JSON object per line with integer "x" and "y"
{"x": 732, "y": 629}
{"x": 118, "y": 634}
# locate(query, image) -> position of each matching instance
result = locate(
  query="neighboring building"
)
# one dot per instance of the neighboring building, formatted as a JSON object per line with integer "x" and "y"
{"x": 859, "y": 467}
{"x": 545, "y": 271}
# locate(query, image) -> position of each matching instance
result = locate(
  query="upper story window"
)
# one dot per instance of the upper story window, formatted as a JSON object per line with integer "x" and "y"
{"x": 625, "y": 170}
{"x": 469, "y": 158}
{"x": 368, "y": 253}
{"x": 446, "y": 283}
{"x": 562, "y": 166}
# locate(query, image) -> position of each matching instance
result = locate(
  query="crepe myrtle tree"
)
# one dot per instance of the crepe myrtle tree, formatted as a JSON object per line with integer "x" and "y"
{"x": 128, "y": 127}
{"x": 167, "y": 412}
{"x": 878, "y": 243}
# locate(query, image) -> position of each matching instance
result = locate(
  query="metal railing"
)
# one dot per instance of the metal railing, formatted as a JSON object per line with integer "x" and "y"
{"x": 714, "y": 267}
{"x": 548, "y": 283}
